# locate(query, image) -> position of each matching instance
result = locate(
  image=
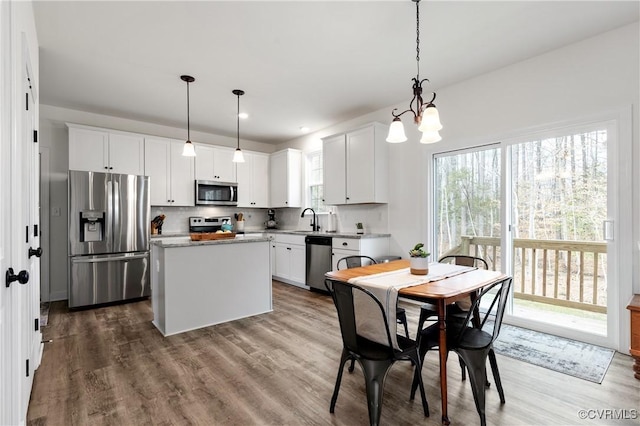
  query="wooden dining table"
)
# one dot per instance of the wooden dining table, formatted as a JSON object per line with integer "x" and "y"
{"x": 440, "y": 293}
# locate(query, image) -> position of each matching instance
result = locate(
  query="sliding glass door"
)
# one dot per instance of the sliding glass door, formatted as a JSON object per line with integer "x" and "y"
{"x": 559, "y": 209}
{"x": 536, "y": 207}
{"x": 467, "y": 204}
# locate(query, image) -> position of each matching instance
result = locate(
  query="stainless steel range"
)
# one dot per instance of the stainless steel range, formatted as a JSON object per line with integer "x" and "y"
{"x": 209, "y": 224}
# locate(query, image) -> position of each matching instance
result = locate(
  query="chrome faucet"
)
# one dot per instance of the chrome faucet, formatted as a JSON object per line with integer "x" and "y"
{"x": 314, "y": 225}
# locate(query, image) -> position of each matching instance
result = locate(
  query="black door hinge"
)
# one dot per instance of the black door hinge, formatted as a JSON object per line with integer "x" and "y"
{"x": 37, "y": 324}
{"x": 27, "y": 368}
{"x": 35, "y": 136}
{"x": 35, "y": 230}
{"x": 26, "y": 106}
{"x": 26, "y": 234}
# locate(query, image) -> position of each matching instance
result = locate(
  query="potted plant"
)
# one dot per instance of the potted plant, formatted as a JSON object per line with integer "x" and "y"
{"x": 419, "y": 260}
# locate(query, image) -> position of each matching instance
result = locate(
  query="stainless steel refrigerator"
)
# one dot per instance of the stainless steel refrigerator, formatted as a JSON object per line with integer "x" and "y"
{"x": 109, "y": 230}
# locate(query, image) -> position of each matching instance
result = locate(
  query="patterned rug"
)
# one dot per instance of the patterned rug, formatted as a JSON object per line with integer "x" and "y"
{"x": 578, "y": 359}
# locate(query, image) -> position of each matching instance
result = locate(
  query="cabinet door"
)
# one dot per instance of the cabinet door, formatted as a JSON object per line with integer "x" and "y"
{"x": 360, "y": 166}
{"x": 260, "y": 180}
{"x": 182, "y": 176}
{"x": 298, "y": 264}
{"x": 204, "y": 162}
{"x": 245, "y": 178}
{"x": 223, "y": 166}
{"x": 283, "y": 261}
{"x": 126, "y": 154}
{"x": 88, "y": 150}
{"x": 157, "y": 166}
{"x": 278, "y": 179}
{"x": 337, "y": 254}
{"x": 334, "y": 170}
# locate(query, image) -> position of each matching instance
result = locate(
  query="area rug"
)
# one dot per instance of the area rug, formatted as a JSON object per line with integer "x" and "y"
{"x": 578, "y": 359}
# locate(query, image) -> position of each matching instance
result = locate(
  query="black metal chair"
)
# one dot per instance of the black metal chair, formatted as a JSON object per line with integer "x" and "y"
{"x": 473, "y": 344}
{"x": 357, "y": 261}
{"x": 375, "y": 358}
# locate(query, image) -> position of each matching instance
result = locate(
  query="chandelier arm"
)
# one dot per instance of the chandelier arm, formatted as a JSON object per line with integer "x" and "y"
{"x": 402, "y": 113}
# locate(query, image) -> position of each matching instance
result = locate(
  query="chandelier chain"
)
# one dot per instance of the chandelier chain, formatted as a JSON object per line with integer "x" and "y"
{"x": 418, "y": 38}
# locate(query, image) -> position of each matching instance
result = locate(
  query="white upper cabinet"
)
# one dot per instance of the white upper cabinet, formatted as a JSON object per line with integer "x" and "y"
{"x": 171, "y": 175}
{"x": 334, "y": 169}
{"x": 253, "y": 180}
{"x": 356, "y": 167}
{"x": 215, "y": 163}
{"x": 101, "y": 150}
{"x": 286, "y": 178}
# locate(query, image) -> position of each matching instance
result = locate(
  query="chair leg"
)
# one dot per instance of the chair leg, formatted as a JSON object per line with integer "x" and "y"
{"x": 374, "y": 375}
{"x": 476, "y": 362}
{"x": 343, "y": 359}
{"x": 352, "y": 366}
{"x": 463, "y": 370}
{"x": 424, "y": 314}
{"x": 496, "y": 374}
{"x": 402, "y": 319}
{"x": 417, "y": 374}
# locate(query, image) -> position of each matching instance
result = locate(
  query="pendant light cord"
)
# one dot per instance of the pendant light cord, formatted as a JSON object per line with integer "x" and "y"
{"x": 418, "y": 39}
{"x": 188, "y": 114}
{"x": 238, "y": 120}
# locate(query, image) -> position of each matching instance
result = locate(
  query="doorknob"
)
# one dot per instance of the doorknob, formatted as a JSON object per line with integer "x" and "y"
{"x": 22, "y": 277}
{"x": 35, "y": 252}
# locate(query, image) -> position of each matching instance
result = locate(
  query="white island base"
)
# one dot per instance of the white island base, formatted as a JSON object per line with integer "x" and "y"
{"x": 196, "y": 285}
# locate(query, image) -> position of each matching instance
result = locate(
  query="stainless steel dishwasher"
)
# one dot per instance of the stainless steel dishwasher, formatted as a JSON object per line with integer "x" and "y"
{"x": 318, "y": 258}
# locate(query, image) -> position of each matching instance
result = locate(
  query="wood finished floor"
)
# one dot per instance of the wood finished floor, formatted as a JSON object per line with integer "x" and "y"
{"x": 110, "y": 366}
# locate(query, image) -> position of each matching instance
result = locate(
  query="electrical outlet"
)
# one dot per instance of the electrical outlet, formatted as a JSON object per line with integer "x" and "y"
{"x": 55, "y": 211}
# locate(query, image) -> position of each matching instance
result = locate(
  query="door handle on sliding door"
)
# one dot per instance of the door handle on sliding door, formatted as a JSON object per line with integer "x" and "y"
{"x": 607, "y": 230}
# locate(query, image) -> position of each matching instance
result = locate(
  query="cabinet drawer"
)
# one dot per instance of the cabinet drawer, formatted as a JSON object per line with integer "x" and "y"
{"x": 290, "y": 239}
{"x": 346, "y": 244}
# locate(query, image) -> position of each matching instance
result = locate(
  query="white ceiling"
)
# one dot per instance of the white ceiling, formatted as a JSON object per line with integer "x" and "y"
{"x": 301, "y": 63}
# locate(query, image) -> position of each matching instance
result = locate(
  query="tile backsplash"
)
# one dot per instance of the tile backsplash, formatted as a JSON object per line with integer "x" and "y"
{"x": 374, "y": 217}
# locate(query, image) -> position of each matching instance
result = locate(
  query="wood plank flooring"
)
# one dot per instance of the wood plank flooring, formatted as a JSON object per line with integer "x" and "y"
{"x": 110, "y": 366}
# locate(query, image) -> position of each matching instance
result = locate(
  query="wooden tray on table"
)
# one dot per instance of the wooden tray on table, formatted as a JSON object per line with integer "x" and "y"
{"x": 205, "y": 236}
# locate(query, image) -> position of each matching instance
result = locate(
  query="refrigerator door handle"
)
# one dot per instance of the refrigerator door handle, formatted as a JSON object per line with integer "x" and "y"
{"x": 115, "y": 210}
{"x": 109, "y": 221}
{"x": 92, "y": 259}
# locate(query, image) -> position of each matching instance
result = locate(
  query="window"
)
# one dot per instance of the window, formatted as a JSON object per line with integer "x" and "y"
{"x": 314, "y": 180}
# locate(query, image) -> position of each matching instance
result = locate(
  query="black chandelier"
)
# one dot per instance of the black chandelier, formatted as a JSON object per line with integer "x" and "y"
{"x": 425, "y": 115}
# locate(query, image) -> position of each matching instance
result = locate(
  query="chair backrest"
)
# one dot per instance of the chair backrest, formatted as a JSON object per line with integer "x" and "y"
{"x": 495, "y": 295}
{"x": 464, "y": 260}
{"x": 354, "y": 262}
{"x": 344, "y": 297}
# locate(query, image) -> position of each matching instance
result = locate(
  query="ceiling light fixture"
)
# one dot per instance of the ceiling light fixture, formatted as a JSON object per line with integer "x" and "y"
{"x": 238, "y": 157}
{"x": 304, "y": 129}
{"x": 425, "y": 115}
{"x": 188, "y": 150}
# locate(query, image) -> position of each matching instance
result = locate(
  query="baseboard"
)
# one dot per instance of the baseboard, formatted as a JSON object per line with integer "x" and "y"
{"x": 57, "y": 295}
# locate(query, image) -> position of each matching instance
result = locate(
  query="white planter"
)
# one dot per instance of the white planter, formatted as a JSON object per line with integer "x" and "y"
{"x": 419, "y": 265}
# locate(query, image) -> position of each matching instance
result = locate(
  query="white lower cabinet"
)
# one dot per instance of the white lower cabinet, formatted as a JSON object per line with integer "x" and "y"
{"x": 290, "y": 258}
{"x": 372, "y": 247}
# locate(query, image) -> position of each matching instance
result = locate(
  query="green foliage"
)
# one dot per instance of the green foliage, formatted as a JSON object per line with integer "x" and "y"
{"x": 418, "y": 251}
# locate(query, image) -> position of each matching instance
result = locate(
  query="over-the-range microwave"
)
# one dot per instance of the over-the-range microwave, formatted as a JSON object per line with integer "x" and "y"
{"x": 212, "y": 193}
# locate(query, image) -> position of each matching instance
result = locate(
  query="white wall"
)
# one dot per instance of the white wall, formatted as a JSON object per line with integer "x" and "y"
{"x": 586, "y": 78}
{"x": 54, "y": 135}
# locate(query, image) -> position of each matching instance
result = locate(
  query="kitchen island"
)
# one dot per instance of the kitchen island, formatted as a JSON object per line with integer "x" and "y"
{"x": 196, "y": 284}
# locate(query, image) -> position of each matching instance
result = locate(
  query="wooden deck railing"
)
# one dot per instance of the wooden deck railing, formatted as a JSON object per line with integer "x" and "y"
{"x": 557, "y": 272}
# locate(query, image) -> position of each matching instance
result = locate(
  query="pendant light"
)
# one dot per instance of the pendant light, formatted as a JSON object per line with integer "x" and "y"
{"x": 238, "y": 157}
{"x": 425, "y": 114}
{"x": 188, "y": 150}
